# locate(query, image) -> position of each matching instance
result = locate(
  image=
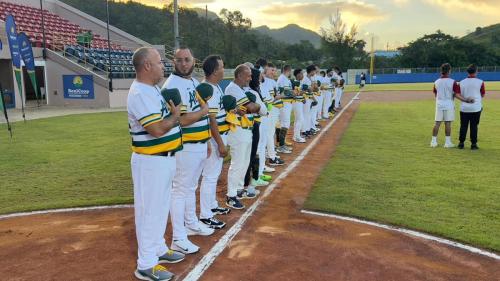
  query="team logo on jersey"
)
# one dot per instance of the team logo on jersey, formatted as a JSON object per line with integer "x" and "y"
{"x": 78, "y": 82}
{"x": 192, "y": 99}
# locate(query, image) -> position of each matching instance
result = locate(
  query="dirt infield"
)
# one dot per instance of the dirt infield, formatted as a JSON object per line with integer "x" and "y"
{"x": 276, "y": 242}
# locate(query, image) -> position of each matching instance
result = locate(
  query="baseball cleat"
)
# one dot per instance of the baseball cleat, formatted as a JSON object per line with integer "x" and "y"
{"x": 157, "y": 273}
{"x": 199, "y": 229}
{"x": 213, "y": 223}
{"x": 250, "y": 194}
{"x": 276, "y": 162}
{"x": 220, "y": 211}
{"x": 184, "y": 246}
{"x": 171, "y": 257}
{"x": 268, "y": 169}
{"x": 259, "y": 182}
{"x": 266, "y": 177}
{"x": 234, "y": 203}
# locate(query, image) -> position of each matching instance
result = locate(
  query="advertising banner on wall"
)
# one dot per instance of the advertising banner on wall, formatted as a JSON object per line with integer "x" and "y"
{"x": 78, "y": 86}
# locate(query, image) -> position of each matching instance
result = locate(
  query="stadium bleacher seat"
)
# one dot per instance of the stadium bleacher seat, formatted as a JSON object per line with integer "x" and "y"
{"x": 60, "y": 35}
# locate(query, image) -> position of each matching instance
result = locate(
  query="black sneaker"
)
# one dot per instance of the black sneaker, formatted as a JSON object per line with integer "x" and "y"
{"x": 460, "y": 145}
{"x": 213, "y": 223}
{"x": 276, "y": 162}
{"x": 221, "y": 211}
{"x": 240, "y": 193}
{"x": 474, "y": 146}
{"x": 234, "y": 203}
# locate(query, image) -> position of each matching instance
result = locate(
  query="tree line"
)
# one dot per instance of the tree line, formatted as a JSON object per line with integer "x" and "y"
{"x": 231, "y": 35}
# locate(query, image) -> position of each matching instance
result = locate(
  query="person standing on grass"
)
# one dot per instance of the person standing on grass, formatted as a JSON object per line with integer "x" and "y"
{"x": 445, "y": 89}
{"x": 472, "y": 89}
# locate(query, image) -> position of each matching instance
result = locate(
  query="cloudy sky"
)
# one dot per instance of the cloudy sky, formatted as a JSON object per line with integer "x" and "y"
{"x": 393, "y": 22}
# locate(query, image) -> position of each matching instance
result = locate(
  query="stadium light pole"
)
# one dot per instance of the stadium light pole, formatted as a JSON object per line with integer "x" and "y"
{"x": 208, "y": 37}
{"x": 176, "y": 25}
{"x": 44, "y": 51}
{"x": 110, "y": 72}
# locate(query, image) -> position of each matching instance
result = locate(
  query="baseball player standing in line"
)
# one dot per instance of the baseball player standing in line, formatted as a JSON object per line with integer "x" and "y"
{"x": 253, "y": 175}
{"x": 213, "y": 66}
{"x": 286, "y": 112}
{"x": 156, "y": 137}
{"x": 263, "y": 129}
{"x": 298, "y": 106}
{"x": 328, "y": 93}
{"x": 339, "y": 90}
{"x": 271, "y": 86}
{"x": 445, "y": 89}
{"x": 318, "y": 95}
{"x": 307, "y": 85}
{"x": 190, "y": 161}
{"x": 240, "y": 140}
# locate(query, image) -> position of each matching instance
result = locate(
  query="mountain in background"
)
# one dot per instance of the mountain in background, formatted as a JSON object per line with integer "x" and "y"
{"x": 291, "y": 34}
{"x": 201, "y": 13}
{"x": 489, "y": 35}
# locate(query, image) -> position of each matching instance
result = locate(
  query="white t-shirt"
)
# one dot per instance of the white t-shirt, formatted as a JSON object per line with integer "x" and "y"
{"x": 472, "y": 87}
{"x": 444, "y": 89}
{"x": 146, "y": 106}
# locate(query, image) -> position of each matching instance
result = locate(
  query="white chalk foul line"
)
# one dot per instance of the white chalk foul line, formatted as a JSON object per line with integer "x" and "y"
{"x": 224, "y": 241}
{"x": 24, "y": 214}
{"x": 409, "y": 232}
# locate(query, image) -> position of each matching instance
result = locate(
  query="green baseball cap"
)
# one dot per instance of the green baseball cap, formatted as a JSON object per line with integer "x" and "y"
{"x": 228, "y": 102}
{"x": 205, "y": 91}
{"x": 171, "y": 94}
{"x": 251, "y": 97}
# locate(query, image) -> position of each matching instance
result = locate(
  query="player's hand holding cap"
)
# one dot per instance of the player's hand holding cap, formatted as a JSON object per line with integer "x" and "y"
{"x": 171, "y": 95}
{"x": 204, "y": 92}
{"x": 251, "y": 97}
{"x": 229, "y": 104}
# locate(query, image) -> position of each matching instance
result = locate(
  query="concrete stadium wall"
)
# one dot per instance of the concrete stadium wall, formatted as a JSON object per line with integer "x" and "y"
{"x": 424, "y": 77}
{"x": 56, "y": 67}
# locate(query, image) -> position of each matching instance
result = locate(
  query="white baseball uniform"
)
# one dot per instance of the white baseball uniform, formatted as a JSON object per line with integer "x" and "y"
{"x": 270, "y": 86}
{"x": 190, "y": 160}
{"x": 152, "y": 175}
{"x": 213, "y": 165}
{"x": 286, "y": 111}
{"x": 240, "y": 143}
{"x": 306, "y": 125}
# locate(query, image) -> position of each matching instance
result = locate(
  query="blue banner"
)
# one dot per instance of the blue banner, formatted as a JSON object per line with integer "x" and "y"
{"x": 10, "y": 28}
{"x": 78, "y": 86}
{"x": 26, "y": 51}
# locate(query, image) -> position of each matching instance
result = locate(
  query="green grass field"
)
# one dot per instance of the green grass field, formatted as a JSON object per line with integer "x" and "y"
{"x": 490, "y": 86}
{"x": 69, "y": 161}
{"x": 384, "y": 170}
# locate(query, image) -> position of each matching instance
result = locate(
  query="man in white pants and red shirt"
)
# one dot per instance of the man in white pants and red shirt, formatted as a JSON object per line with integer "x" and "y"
{"x": 156, "y": 138}
{"x": 190, "y": 161}
{"x": 445, "y": 89}
{"x": 473, "y": 90}
{"x": 213, "y": 66}
{"x": 240, "y": 140}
